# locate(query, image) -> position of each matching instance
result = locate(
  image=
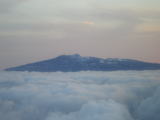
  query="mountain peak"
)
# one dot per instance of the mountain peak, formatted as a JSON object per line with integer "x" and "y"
{"x": 71, "y": 55}
{"x": 74, "y": 55}
{"x": 75, "y": 62}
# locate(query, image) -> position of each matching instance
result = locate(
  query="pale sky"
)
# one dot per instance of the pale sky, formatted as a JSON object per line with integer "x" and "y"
{"x": 33, "y": 30}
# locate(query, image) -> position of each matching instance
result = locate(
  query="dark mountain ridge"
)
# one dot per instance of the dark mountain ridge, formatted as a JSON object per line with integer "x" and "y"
{"x": 75, "y": 62}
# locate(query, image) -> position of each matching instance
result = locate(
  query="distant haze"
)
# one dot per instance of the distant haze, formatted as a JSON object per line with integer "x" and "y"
{"x": 33, "y": 30}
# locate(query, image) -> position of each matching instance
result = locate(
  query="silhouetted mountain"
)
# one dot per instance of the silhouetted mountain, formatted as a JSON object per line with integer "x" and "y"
{"x": 73, "y": 63}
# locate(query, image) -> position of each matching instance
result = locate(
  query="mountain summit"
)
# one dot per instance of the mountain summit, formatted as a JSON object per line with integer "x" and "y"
{"x": 75, "y": 62}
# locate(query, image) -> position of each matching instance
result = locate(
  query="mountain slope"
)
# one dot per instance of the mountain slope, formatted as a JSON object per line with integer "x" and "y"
{"x": 67, "y": 63}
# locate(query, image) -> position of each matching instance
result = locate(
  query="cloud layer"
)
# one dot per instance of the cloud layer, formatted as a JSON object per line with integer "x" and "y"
{"x": 82, "y": 95}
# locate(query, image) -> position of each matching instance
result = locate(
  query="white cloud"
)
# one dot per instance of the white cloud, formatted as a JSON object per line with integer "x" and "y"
{"x": 96, "y": 111}
{"x": 88, "y": 95}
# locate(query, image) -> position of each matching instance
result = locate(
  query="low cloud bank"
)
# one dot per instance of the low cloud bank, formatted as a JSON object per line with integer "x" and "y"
{"x": 119, "y": 95}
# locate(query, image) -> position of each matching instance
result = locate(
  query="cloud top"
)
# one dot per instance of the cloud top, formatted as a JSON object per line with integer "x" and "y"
{"x": 88, "y": 95}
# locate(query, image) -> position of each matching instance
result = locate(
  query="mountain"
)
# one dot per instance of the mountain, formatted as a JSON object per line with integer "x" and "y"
{"x": 75, "y": 62}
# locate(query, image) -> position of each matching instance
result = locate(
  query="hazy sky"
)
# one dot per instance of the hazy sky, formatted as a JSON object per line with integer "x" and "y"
{"x": 33, "y": 30}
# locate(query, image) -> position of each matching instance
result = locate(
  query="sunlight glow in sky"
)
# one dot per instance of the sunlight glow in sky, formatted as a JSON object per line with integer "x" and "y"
{"x": 33, "y": 30}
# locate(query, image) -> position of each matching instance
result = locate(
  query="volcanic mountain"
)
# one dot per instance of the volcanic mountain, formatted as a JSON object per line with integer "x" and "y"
{"x": 75, "y": 62}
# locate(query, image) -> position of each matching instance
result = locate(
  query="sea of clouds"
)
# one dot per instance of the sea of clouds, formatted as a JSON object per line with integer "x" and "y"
{"x": 119, "y": 95}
